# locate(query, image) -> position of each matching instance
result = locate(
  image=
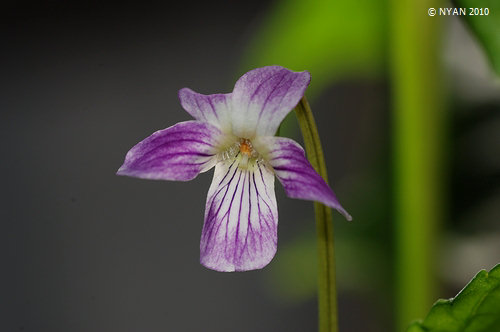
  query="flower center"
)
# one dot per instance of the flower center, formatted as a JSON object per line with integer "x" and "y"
{"x": 243, "y": 151}
{"x": 246, "y": 147}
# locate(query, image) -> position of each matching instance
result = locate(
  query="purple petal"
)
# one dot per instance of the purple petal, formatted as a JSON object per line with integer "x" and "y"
{"x": 241, "y": 219}
{"x": 296, "y": 174}
{"x": 263, "y": 97}
{"x": 213, "y": 109}
{"x": 179, "y": 153}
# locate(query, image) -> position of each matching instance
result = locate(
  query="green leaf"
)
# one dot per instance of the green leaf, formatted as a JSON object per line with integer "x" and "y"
{"x": 485, "y": 27}
{"x": 331, "y": 39}
{"x": 475, "y": 309}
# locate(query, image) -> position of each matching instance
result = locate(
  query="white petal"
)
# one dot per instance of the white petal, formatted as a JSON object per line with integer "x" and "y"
{"x": 241, "y": 218}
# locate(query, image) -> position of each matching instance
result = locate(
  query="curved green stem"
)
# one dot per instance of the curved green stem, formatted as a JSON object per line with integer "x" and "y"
{"x": 327, "y": 291}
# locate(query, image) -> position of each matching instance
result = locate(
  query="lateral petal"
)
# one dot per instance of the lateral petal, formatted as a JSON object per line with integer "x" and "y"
{"x": 241, "y": 219}
{"x": 213, "y": 109}
{"x": 178, "y": 153}
{"x": 296, "y": 174}
{"x": 263, "y": 97}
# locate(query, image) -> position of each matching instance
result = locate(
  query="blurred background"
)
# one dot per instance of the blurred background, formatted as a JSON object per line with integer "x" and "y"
{"x": 85, "y": 250}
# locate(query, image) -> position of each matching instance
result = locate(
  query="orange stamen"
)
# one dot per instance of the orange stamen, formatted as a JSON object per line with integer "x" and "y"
{"x": 245, "y": 148}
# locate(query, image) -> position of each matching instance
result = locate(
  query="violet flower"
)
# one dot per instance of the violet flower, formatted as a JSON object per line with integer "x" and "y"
{"x": 235, "y": 133}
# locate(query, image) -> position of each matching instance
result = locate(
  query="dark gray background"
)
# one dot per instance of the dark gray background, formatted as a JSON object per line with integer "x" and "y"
{"x": 85, "y": 250}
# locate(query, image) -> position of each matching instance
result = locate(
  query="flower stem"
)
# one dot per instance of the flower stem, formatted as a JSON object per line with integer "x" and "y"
{"x": 327, "y": 291}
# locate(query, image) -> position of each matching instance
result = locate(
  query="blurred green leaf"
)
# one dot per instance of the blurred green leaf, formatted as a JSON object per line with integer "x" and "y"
{"x": 331, "y": 39}
{"x": 475, "y": 309}
{"x": 485, "y": 27}
{"x": 328, "y": 38}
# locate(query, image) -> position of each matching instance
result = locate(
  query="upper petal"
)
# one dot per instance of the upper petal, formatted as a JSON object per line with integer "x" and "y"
{"x": 179, "y": 152}
{"x": 296, "y": 174}
{"x": 241, "y": 219}
{"x": 263, "y": 97}
{"x": 213, "y": 109}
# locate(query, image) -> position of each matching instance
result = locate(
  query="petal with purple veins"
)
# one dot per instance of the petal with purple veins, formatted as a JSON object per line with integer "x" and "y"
{"x": 263, "y": 97}
{"x": 296, "y": 174}
{"x": 179, "y": 153}
{"x": 241, "y": 219}
{"x": 213, "y": 109}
